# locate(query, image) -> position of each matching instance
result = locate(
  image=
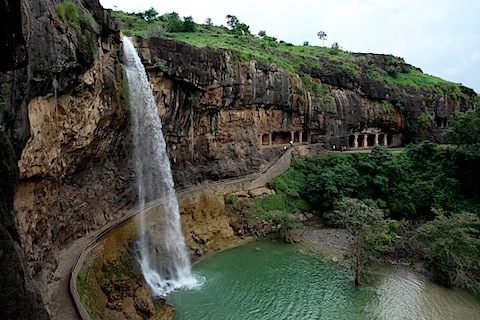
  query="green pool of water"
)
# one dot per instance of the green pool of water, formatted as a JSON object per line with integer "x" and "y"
{"x": 273, "y": 280}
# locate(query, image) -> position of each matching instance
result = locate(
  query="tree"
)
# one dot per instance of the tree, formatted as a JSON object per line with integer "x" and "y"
{"x": 463, "y": 128}
{"x": 452, "y": 249}
{"x": 209, "y": 23}
{"x": 262, "y": 33}
{"x": 322, "y": 36}
{"x": 172, "y": 21}
{"x": 329, "y": 185}
{"x": 370, "y": 231}
{"x": 188, "y": 24}
{"x": 150, "y": 14}
{"x": 232, "y": 21}
{"x": 236, "y": 26}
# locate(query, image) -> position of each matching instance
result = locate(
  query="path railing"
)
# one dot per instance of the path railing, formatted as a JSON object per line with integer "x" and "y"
{"x": 252, "y": 181}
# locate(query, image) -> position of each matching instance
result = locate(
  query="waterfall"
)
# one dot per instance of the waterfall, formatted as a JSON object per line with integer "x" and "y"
{"x": 161, "y": 249}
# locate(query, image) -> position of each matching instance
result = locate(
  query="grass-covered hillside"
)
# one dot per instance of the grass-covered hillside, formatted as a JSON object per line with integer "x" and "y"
{"x": 305, "y": 60}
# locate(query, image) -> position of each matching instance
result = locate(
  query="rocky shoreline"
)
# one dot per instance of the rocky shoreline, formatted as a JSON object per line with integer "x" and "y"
{"x": 337, "y": 238}
{"x": 404, "y": 253}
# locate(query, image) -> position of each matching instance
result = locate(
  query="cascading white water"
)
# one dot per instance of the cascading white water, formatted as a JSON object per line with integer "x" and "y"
{"x": 161, "y": 250}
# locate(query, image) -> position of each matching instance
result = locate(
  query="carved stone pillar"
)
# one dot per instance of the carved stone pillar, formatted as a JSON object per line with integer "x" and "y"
{"x": 355, "y": 141}
{"x": 365, "y": 141}
{"x": 376, "y": 139}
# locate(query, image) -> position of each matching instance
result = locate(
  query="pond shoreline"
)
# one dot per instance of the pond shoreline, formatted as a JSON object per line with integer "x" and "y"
{"x": 337, "y": 238}
{"x": 401, "y": 254}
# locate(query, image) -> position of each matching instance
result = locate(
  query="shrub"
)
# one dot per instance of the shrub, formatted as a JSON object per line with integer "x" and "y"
{"x": 68, "y": 11}
{"x": 452, "y": 245}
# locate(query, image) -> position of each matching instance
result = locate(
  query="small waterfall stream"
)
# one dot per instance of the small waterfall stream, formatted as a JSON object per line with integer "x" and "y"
{"x": 161, "y": 249}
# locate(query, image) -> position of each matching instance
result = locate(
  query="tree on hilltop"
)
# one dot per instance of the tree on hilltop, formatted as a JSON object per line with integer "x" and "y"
{"x": 322, "y": 36}
{"x": 209, "y": 23}
{"x": 188, "y": 24}
{"x": 150, "y": 14}
{"x": 236, "y": 26}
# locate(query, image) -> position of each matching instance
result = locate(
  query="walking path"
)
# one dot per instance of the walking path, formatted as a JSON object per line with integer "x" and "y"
{"x": 64, "y": 300}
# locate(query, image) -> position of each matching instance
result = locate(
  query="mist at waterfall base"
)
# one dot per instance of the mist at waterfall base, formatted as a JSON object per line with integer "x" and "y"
{"x": 161, "y": 249}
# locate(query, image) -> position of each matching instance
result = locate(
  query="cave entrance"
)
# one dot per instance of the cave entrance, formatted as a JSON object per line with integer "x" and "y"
{"x": 282, "y": 137}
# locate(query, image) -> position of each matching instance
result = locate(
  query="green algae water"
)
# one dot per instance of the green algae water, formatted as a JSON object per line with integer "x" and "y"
{"x": 273, "y": 280}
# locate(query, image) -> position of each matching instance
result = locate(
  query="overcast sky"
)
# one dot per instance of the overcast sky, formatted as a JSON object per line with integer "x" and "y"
{"x": 442, "y": 37}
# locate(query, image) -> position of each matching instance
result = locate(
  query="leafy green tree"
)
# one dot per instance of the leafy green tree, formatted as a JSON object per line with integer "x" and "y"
{"x": 172, "y": 22}
{"x": 236, "y": 26}
{"x": 188, "y": 24}
{"x": 332, "y": 184}
{"x": 232, "y": 21}
{"x": 463, "y": 129}
{"x": 150, "y": 14}
{"x": 370, "y": 231}
{"x": 452, "y": 249}
{"x": 262, "y": 33}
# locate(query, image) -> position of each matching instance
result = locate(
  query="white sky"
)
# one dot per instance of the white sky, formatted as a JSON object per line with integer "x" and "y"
{"x": 442, "y": 37}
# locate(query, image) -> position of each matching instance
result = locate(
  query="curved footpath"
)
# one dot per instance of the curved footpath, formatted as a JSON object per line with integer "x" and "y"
{"x": 65, "y": 302}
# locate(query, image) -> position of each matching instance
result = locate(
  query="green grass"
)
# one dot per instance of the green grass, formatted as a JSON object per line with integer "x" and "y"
{"x": 293, "y": 59}
{"x": 287, "y": 199}
{"x": 68, "y": 12}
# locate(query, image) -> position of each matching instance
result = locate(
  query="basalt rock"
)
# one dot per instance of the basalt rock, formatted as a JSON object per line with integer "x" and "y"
{"x": 62, "y": 131}
{"x": 64, "y": 121}
{"x": 220, "y": 112}
{"x": 19, "y": 297}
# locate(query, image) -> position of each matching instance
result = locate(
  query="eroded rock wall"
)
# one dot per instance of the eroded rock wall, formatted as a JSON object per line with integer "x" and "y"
{"x": 75, "y": 170}
{"x": 63, "y": 124}
{"x": 216, "y": 108}
{"x": 64, "y": 118}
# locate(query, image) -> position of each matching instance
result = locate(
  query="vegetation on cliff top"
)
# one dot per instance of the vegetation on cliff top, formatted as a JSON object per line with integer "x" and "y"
{"x": 305, "y": 60}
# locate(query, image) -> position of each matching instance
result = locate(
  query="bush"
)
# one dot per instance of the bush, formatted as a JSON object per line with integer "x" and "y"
{"x": 68, "y": 11}
{"x": 452, "y": 253}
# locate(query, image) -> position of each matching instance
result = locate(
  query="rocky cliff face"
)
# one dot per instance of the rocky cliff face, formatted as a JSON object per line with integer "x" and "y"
{"x": 64, "y": 122}
{"x": 61, "y": 119}
{"x": 222, "y": 114}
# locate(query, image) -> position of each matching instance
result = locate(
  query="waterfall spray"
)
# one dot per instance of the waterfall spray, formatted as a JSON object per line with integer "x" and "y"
{"x": 161, "y": 250}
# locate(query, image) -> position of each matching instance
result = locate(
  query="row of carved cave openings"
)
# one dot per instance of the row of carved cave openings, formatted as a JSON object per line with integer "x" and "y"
{"x": 354, "y": 140}
{"x": 283, "y": 137}
{"x": 367, "y": 140}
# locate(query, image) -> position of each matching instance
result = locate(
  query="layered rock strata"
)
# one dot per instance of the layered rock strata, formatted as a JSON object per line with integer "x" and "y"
{"x": 64, "y": 122}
